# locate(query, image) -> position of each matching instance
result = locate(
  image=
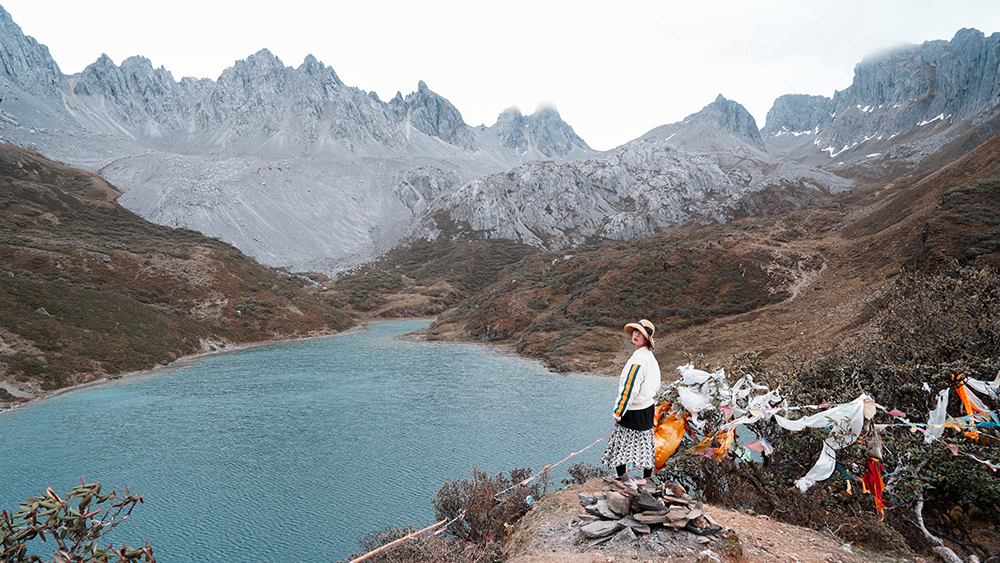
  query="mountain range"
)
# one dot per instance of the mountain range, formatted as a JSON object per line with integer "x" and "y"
{"x": 300, "y": 170}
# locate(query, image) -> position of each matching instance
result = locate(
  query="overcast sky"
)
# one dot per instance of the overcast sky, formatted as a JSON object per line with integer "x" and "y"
{"x": 613, "y": 68}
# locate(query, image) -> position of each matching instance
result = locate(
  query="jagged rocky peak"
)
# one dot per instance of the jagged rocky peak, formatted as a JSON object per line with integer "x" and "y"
{"x": 959, "y": 77}
{"x": 431, "y": 114}
{"x": 134, "y": 79}
{"x": 26, "y": 64}
{"x": 798, "y": 113}
{"x": 721, "y": 126}
{"x": 544, "y": 131}
{"x": 510, "y": 129}
{"x": 895, "y": 91}
{"x": 732, "y": 117}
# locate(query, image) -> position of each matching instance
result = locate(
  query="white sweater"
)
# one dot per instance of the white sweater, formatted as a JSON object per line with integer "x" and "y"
{"x": 639, "y": 382}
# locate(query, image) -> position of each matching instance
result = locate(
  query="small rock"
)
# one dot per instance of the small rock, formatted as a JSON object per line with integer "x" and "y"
{"x": 679, "y": 513}
{"x": 618, "y": 504}
{"x": 635, "y": 525}
{"x": 42, "y": 311}
{"x": 646, "y": 502}
{"x": 708, "y": 557}
{"x": 586, "y": 499}
{"x": 624, "y": 538}
{"x": 652, "y": 517}
{"x": 730, "y": 543}
{"x": 670, "y": 499}
{"x": 600, "y": 529}
{"x": 675, "y": 489}
{"x": 604, "y": 511}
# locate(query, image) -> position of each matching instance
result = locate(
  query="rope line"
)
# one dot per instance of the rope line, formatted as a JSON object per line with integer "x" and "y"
{"x": 548, "y": 467}
{"x": 396, "y": 542}
{"x": 447, "y": 522}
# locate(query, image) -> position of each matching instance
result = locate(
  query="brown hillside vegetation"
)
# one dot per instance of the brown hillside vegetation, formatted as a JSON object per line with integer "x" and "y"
{"x": 89, "y": 289}
{"x": 801, "y": 284}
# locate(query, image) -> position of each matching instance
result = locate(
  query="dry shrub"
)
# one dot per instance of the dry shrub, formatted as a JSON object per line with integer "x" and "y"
{"x": 482, "y": 517}
{"x": 425, "y": 547}
{"x": 868, "y": 531}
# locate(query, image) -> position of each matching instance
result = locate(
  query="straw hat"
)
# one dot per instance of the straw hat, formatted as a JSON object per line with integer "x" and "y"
{"x": 646, "y": 327}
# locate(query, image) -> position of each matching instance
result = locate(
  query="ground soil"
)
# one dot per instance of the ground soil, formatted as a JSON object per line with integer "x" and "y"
{"x": 549, "y": 534}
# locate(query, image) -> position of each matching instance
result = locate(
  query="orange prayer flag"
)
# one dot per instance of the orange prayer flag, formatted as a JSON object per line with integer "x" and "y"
{"x": 725, "y": 441}
{"x": 668, "y": 434}
{"x": 970, "y": 407}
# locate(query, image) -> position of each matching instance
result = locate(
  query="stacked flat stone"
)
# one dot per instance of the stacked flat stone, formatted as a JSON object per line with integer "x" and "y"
{"x": 642, "y": 507}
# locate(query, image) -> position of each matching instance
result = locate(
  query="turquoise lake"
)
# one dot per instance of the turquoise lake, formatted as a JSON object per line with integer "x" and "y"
{"x": 293, "y": 452}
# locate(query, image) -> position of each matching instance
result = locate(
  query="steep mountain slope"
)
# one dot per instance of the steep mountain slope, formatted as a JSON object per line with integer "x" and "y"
{"x": 192, "y": 152}
{"x": 89, "y": 289}
{"x": 712, "y": 166}
{"x": 903, "y": 104}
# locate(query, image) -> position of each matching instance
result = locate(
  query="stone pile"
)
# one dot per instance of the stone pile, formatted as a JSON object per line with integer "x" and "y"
{"x": 638, "y": 507}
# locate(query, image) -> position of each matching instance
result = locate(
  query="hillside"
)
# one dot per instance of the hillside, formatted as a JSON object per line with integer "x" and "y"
{"x": 88, "y": 289}
{"x": 800, "y": 283}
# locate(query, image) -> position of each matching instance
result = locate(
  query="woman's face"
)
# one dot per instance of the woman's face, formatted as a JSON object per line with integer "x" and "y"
{"x": 638, "y": 338}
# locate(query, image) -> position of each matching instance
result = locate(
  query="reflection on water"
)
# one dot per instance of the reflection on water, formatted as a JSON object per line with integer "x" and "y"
{"x": 293, "y": 452}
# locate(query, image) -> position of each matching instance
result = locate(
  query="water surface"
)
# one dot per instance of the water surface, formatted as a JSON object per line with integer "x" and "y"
{"x": 292, "y": 452}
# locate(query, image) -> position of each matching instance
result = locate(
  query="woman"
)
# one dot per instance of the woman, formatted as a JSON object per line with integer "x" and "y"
{"x": 631, "y": 441}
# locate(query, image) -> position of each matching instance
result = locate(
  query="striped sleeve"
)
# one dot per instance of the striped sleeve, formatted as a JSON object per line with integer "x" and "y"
{"x": 626, "y": 390}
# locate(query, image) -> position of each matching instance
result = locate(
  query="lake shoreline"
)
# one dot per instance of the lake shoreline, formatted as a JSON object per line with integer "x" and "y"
{"x": 181, "y": 362}
{"x": 184, "y": 361}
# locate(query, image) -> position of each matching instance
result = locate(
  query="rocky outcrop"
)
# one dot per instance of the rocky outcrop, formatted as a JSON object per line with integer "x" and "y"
{"x": 721, "y": 126}
{"x": 629, "y": 192}
{"x": 797, "y": 114}
{"x": 430, "y": 113}
{"x": 26, "y": 65}
{"x": 922, "y": 89}
{"x": 544, "y": 132}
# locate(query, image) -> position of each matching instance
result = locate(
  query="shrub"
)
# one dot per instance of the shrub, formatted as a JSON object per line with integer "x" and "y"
{"x": 580, "y": 473}
{"x": 428, "y": 547}
{"x": 73, "y": 524}
{"x": 482, "y": 517}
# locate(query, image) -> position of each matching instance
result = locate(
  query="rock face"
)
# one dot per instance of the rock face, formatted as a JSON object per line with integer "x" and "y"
{"x": 25, "y": 65}
{"x": 543, "y": 132}
{"x": 922, "y": 89}
{"x": 432, "y": 114}
{"x": 722, "y": 126}
{"x": 797, "y": 114}
{"x": 630, "y": 192}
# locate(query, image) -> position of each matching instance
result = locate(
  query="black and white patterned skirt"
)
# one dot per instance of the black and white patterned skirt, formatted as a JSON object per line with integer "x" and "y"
{"x": 629, "y": 447}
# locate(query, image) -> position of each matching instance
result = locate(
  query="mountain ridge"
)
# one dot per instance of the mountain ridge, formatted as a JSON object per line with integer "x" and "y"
{"x": 303, "y": 171}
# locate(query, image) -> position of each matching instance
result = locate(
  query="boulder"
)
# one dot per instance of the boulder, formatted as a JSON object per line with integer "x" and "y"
{"x": 618, "y": 503}
{"x": 646, "y": 502}
{"x": 600, "y": 529}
